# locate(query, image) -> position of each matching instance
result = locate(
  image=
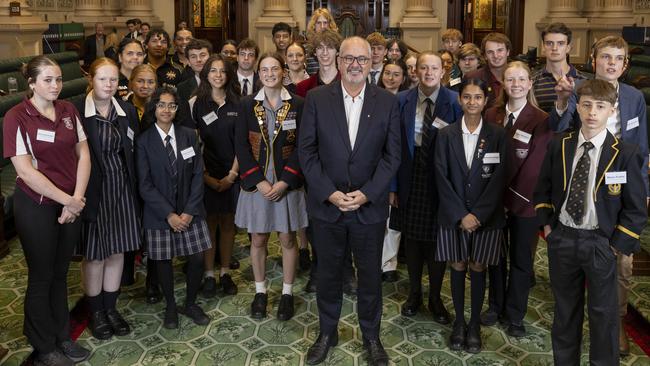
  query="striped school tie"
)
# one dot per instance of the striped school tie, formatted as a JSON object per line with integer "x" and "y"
{"x": 575, "y": 205}
{"x": 171, "y": 155}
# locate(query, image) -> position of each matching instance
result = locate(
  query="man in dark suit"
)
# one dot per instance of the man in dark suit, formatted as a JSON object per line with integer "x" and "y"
{"x": 349, "y": 151}
{"x": 247, "y": 53}
{"x": 94, "y": 45}
{"x": 588, "y": 200}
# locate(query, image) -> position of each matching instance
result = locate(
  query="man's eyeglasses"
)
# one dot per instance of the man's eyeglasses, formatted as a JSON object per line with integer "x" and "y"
{"x": 362, "y": 60}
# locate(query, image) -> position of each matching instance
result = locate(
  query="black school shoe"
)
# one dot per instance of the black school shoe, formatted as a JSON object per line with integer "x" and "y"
{"x": 227, "y": 284}
{"x": 473, "y": 340}
{"x": 258, "y": 306}
{"x": 458, "y": 336}
{"x": 73, "y": 351}
{"x": 194, "y": 312}
{"x": 99, "y": 325}
{"x": 117, "y": 322}
{"x": 285, "y": 309}
{"x": 209, "y": 287}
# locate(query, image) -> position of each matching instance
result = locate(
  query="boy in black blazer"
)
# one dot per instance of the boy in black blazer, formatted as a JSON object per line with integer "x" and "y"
{"x": 588, "y": 200}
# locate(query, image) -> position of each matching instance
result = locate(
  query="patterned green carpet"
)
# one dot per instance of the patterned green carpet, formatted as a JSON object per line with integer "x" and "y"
{"x": 232, "y": 338}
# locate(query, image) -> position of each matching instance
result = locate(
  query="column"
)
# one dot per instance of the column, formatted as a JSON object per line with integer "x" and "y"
{"x": 111, "y": 8}
{"x": 617, "y": 9}
{"x": 137, "y": 9}
{"x": 88, "y": 9}
{"x": 274, "y": 11}
{"x": 563, "y": 8}
{"x": 592, "y": 8}
{"x": 420, "y": 25}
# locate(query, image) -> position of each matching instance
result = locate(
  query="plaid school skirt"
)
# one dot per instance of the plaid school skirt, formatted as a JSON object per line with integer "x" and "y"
{"x": 166, "y": 244}
{"x": 457, "y": 245}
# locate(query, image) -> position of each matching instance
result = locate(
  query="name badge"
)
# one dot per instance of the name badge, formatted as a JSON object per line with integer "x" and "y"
{"x": 522, "y": 136}
{"x": 45, "y": 135}
{"x": 438, "y": 123}
{"x": 455, "y": 81}
{"x": 187, "y": 153}
{"x": 492, "y": 158}
{"x": 633, "y": 123}
{"x": 130, "y": 133}
{"x": 289, "y": 124}
{"x": 615, "y": 177}
{"x": 209, "y": 118}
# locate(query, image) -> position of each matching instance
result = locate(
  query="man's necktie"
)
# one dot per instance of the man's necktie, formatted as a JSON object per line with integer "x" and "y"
{"x": 244, "y": 89}
{"x": 427, "y": 126}
{"x": 575, "y": 205}
{"x": 171, "y": 155}
{"x": 373, "y": 77}
{"x": 511, "y": 121}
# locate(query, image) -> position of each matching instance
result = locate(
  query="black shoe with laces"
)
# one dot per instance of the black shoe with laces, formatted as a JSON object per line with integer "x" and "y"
{"x": 209, "y": 287}
{"x": 99, "y": 325}
{"x": 194, "y": 312}
{"x": 73, "y": 351}
{"x": 412, "y": 305}
{"x": 317, "y": 353}
{"x": 377, "y": 355}
{"x": 458, "y": 336}
{"x": 117, "y": 322}
{"x": 171, "y": 318}
{"x": 258, "y": 306}
{"x": 285, "y": 309}
{"x": 228, "y": 286}
{"x": 438, "y": 311}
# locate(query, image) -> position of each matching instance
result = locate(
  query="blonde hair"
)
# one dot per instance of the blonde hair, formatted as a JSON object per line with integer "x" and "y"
{"x": 112, "y": 41}
{"x": 92, "y": 70}
{"x": 502, "y": 99}
{"x": 322, "y": 12}
{"x": 142, "y": 69}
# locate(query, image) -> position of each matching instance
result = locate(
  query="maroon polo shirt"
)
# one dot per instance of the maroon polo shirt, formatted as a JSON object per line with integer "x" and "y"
{"x": 50, "y": 144}
{"x": 494, "y": 85}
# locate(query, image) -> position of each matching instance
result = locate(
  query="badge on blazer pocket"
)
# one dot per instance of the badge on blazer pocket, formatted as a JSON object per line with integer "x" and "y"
{"x": 291, "y": 136}
{"x": 487, "y": 171}
{"x": 521, "y": 153}
{"x": 614, "y": 189}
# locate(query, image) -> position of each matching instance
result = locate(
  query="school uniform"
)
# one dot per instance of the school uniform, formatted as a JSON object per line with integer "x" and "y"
{"x": 580, "y": 250}
{"x": 528, "y": 135}
{"x": 249, "y": 84}
{"x": 162, "y": 194}
{"x": 122, "y": 87}
{"x": 111, "y": 215}
{"x": 415, "y": 183}
{"x": 266, "y": 149}
{"x": 216, "y": 127}
{"x": 48, "y": 245}
{"x": 494, "y": 84}
{"x": 470, "y": 176}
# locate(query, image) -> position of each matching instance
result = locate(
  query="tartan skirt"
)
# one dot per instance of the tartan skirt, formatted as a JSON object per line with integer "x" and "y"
{"x": 417, "y": 220}
{"x": 165, "y": 244}
{"x": 457, "y": 245}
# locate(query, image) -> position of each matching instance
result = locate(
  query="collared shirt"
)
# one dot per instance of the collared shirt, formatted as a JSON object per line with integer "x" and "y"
{"x": 614, "y": 121}
{"x": 164, "y": 135}
{"x": 590, "y": 220}
{"x": 419, "y": 112}
{"x": 90, "y": 109}
{"x": 250, "y": 82}
{"x": 544, "y": 87}
{"x": 470, "y": 139}
{"x": 198, "y": 79}
{"x": 516, "y": 113}
{"x": 51, "y": 144}
{"x": 353, "y": 107}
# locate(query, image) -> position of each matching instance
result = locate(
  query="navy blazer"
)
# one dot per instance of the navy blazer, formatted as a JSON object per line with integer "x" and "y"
{"x": 478, "y": 190}
{"x": 330, "y": 164}
{"x": 631, "y": 105}
{"x": 621, "y": 210}
{"x": 447, "y": 109}
{"x": 154, "y": 176}
{"x": 127, "y": 119}
{"x": 524, "y": 159}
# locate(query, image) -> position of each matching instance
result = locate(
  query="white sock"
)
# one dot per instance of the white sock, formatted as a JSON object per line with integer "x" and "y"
{"x": 224, "y": 270}
{"x": 207, "y": 274}
{"x": 260, "y": 287}
{"x": 287, "y": 288}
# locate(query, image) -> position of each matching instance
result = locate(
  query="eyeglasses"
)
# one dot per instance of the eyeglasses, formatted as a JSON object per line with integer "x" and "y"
{"x": 169, "y": 106}
{"x": 362, "y": 60}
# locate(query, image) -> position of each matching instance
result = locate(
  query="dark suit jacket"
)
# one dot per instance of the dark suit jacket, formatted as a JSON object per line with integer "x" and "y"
{"x": 252, "y": 146}
{"x": 447, "y": 109}
{"x": 631, "y": 104}
{"x": 621, "y": 210}
{"x": 524, "y": 159}
{"x": 494, "y": 85}
{"x": 478, "y": 190}
{"x": 154, "y": 177}
{"x": 330, "y": 164}
{"x": 257, "y": 84}
{"x": 127, "y": 120}
{"x": 90, "y": 49}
